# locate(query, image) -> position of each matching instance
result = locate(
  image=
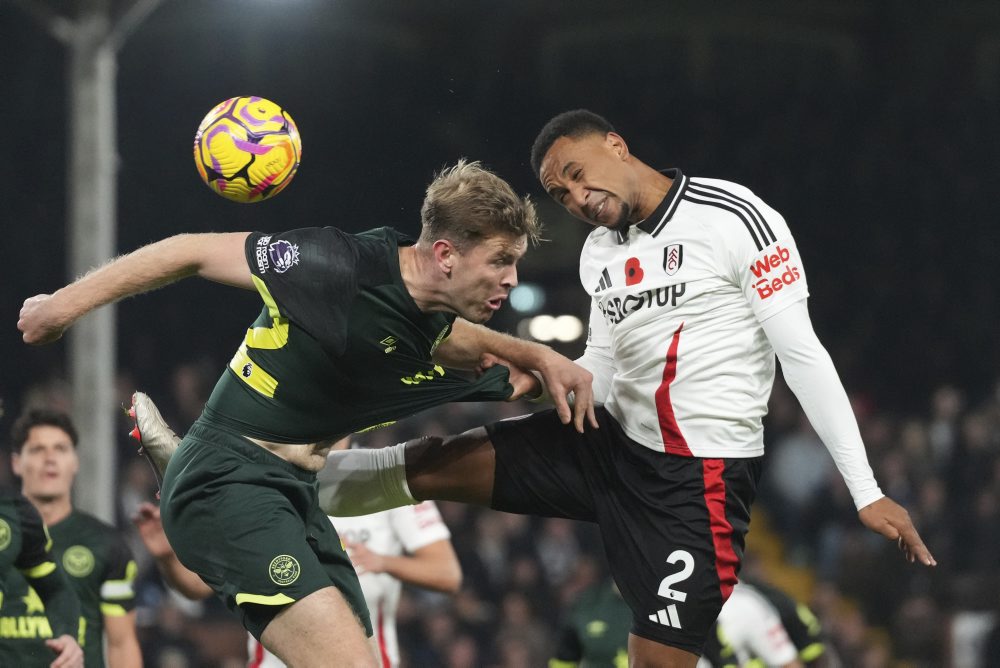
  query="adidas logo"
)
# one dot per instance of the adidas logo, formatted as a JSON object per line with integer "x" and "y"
{"x": 605, "y": 281}
{"x": 666, "y": 617}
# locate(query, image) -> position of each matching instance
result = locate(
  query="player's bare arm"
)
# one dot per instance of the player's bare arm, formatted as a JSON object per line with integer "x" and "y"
{"x": 434, "y": 566}
{"x": 68, "y": 652}
{"x": 216, "y": 257}
{"x": 122, "y": 643}
{"x": 469, "y": 343}
{"x": 150, "y": 528}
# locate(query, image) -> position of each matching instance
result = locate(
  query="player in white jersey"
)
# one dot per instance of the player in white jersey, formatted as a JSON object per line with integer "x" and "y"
{"x": 696, "y": 285}
{"x": 750, "y": 629}
{"x": 410, "y": 544}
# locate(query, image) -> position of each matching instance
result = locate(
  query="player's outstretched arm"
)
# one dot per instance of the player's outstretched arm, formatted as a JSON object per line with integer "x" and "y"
{"x": 469, "y": 343}
{"x": 217, "y": 257}
{"x": 890, "y": 519}
{"x": 811, "y": 376}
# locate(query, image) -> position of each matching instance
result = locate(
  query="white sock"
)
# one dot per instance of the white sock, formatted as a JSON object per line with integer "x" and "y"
{"x": 364, "y": 481}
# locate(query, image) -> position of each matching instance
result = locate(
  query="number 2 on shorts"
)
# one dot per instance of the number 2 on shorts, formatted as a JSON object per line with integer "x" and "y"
{"x": 666, "y": 585}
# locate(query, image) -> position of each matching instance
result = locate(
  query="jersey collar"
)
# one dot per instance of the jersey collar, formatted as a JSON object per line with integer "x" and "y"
{"x": 664, "y": 210}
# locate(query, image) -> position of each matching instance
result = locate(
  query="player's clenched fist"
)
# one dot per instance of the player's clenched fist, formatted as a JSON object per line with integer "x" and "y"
{"x": 38, "y": 322}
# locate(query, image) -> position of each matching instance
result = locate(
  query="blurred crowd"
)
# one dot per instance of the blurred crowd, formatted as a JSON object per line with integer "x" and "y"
{"x": 521, "y": 574}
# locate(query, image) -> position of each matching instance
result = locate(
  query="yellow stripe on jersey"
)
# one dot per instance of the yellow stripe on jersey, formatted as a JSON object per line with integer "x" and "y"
{"x": 556, "y": 663}
{"x": 275, "y": 336}
{"x": 113, "y": 610}
{"x": 121, "y": 589}
{"x": 39, "y": 571}
{"x": 812, "y": 652}
{"x": 252, "y": 374}
{"x": 276, "y": 599}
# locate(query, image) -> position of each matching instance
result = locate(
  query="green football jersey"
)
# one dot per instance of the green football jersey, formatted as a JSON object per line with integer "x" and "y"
{"x": 101, "y": 570}
{"x": 596, "y": 633}
{"x": 24, "y": 543}
{"x": 340, "y": 346}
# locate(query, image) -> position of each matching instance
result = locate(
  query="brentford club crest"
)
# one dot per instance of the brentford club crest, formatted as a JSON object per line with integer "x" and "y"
{"x": 673, "y": 258}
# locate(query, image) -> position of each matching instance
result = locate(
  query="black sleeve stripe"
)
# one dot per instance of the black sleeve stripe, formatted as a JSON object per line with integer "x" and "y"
{"x": 761, "y": 220}
{"x": 736, "y": 212}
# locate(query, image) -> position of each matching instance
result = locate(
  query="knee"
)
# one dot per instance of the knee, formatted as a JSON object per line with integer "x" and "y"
{"x": 429, "y": 453}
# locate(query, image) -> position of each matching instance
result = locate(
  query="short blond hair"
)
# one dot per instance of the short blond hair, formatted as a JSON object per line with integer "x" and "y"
{"x": 467, "y": 203}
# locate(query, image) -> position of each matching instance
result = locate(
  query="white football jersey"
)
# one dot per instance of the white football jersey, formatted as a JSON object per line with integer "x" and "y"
{"x": 752, "y": 627}
{"x": 391, "y": 532}
{"x": 677, "y": 302}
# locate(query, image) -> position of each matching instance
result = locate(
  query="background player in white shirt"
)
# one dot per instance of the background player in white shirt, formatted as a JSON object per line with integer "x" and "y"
{"x": 697, "y": 285}
{"x": 752, "y": 630}
{"x": 410, "y": 544}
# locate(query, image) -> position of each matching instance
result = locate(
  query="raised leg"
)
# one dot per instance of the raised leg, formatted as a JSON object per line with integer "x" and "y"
{"x": 317, "y": 631}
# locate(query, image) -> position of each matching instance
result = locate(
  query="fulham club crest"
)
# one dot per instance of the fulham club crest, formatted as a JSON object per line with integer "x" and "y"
{"x": 673, "y": 258}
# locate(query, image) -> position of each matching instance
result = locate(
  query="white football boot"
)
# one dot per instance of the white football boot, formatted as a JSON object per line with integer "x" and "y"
{"x": 157, "y": 441}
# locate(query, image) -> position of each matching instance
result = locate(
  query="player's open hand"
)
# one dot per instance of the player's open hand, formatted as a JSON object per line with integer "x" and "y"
{"x": 364, "y": 560}
{"x": 38, "y": 321}
{"x": 68, "y": 652}
{"x": 562, "y": 377}
{"x": 147, "y": 522}
{"x": 890, "y": 519}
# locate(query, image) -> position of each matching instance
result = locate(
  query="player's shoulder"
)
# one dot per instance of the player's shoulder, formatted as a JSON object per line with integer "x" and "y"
{"x": 600, "y": 236}
{"x": 702, "y": 186}
{"x": 83, "y": 522}
{"x": 421, "y": 514}
{"x": 384, "y": 236}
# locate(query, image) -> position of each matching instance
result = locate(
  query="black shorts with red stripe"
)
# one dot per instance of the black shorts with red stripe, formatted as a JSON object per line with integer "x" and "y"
{"x": 673, "y": 527}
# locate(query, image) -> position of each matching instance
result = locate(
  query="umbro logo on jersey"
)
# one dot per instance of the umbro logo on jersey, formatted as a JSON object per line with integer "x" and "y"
{"x": 673, "y": 258}
{"x": 389, "y": 344}
{"x": 605, "y": 281}
{"x": 666, "y": 617}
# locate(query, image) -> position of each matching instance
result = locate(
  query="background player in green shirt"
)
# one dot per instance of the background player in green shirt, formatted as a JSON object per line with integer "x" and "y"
{"x": 357, "y": 330}
{"x": 24, "y": 549}
{"x": 93, "y": 554}
{"x": 595, "y": 633}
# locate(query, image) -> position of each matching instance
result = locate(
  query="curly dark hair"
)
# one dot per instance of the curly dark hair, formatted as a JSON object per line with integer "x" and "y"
{"x": 575, "y": 123}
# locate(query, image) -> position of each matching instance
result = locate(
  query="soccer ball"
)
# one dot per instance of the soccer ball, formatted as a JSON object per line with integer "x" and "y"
{"x": 247, "y": 149}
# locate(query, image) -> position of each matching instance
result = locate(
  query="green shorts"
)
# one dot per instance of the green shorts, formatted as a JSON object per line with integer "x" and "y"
{"x": 249, "y": 523}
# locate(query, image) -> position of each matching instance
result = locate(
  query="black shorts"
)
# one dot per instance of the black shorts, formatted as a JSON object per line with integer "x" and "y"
{"x": 249, "y": 524}
{"x": 673, "y": 527}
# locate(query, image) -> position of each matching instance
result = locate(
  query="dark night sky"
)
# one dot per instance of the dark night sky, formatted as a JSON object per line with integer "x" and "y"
{"x": 875, "y": 132}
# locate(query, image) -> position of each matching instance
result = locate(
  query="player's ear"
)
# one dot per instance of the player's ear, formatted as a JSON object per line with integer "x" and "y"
{"x": 617, "y": 144}
{"x": 15, "y": 463}
{"x": 444, "y": 255}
